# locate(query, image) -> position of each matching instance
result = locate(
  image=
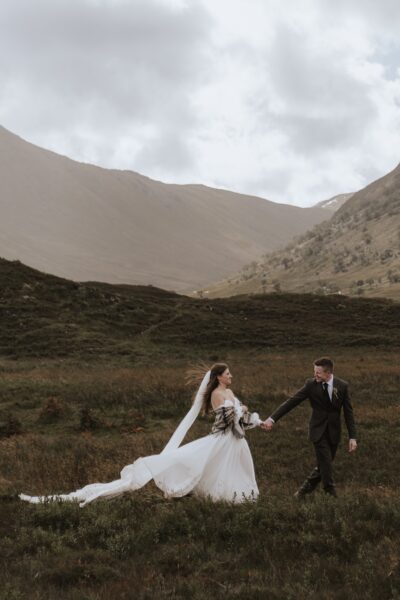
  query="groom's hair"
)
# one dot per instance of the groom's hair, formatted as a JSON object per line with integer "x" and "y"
{"x": 324, "y": 362}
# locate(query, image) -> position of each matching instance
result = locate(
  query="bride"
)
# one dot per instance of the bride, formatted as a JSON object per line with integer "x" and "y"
{"x": 218, "y": 465}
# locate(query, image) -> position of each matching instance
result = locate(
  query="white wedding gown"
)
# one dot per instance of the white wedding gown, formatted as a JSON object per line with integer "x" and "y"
{"x": 219, "y": 466}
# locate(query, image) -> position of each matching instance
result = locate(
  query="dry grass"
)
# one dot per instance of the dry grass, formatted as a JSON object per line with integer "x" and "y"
{"x": 142, "y": 546}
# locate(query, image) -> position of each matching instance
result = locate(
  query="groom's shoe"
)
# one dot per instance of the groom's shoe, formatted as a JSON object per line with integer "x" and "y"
{"x": 303, "y": 492}
{"x": 299, "y": 495}
{"x": 331, "y": 491}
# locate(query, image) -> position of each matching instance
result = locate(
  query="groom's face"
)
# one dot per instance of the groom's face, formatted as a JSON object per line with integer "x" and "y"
{"x": 321, "y": 374}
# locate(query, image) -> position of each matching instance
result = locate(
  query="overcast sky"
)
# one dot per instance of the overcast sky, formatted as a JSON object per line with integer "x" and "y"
{"x": 294, "y": 100}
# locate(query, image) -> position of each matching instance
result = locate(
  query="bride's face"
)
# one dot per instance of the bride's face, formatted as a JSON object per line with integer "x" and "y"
{"x": 225, "y": 378}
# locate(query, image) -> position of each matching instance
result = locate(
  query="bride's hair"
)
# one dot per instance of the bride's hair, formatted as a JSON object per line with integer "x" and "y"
{"x": 216, "y": 369}
{"x": 197, "y": 374}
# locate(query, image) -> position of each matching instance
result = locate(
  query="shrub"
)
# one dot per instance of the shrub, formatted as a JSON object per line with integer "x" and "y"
{"x": 12, "y": 426}
{"x": 51, "y": 412}
{"x": 88, "y": 422}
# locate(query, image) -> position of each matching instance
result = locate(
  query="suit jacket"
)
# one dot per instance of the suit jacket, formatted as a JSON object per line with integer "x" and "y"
{"x": 325, "y": 413}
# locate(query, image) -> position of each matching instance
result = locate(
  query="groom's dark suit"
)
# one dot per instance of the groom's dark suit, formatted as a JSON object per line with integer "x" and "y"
{"x": 324, "y": 426}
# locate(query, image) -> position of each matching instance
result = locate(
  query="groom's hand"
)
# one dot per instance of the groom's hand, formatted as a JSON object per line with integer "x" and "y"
{"x": 268, "y": 424}
{"x": 352, "y": 445}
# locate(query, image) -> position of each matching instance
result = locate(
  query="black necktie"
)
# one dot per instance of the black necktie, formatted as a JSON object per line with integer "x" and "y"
{"x": 325, "y": 386}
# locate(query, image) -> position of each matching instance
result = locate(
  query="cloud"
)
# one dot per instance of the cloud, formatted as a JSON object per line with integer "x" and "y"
{"x": 102, "y": 72}
{"x": 314, "y": 104}
{"x": 320, "y": 104}
{"x": 379, "y": 17}
{"x": 292, "y": 101}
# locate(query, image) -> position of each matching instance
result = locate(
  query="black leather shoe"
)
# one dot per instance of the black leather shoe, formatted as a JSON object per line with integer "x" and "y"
{"x": 305, "y": 490}
{"x": 300, "y": 494}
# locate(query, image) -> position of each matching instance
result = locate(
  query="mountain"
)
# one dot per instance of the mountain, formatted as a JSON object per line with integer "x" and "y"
{"x": 43, "y": 316}
{"x": 87, "y": 223}
{"x": 333, "y": 204}
{"x": 356, "y": 251}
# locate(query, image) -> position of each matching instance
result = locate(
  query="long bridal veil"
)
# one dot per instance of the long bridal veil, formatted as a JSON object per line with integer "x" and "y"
{"x": 136, "y": 475}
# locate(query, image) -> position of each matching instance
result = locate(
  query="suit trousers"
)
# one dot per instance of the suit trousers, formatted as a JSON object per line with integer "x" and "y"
{"x": 325, "y": 452}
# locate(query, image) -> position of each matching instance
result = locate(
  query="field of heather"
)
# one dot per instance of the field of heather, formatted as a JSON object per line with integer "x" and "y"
{"x": 65, "y": 424}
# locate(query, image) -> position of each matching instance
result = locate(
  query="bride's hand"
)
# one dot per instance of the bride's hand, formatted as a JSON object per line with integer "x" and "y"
{"x": 244, "y": 408}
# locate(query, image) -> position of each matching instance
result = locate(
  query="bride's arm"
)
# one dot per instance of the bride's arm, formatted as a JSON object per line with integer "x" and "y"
{"x": 251, "y": 420}
{"x": 245, "y": 410}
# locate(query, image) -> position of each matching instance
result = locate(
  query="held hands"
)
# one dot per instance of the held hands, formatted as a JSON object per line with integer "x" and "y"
{"x": 268, "y": 424}
{"x": 352, "y": 445}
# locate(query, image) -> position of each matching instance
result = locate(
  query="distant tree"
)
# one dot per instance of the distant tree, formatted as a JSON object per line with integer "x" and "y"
{"x": 386, "y": 254}
{"x": 264, "y": 283}
{"x": 367, "y": 238}
{"x": 365, "y": 261}
{"x": 393, "y": 277}
{"x": 339, "y": 266}
{"x": 277, "y": 286}
{"x": 12, "y": 427}
{"x": 309, "y": 251}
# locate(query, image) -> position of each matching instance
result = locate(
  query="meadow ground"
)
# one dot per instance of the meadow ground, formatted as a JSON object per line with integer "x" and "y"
{"x": 65, "y": 424}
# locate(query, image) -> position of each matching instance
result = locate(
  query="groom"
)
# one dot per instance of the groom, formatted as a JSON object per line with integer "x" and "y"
{"x": 327, "y": 395}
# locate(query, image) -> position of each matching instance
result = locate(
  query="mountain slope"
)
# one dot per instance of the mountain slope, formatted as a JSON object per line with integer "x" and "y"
{"x": 87, "y": 223}
{"x": 333, "y": 204}
{"x": 46, "y": 316}
{"x": 356, "y": 252}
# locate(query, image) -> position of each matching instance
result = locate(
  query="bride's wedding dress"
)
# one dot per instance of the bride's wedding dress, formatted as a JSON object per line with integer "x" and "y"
{"x": 219, "y": 465}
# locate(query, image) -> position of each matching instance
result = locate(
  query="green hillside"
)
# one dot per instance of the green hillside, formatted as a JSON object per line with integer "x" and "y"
{"x": 45, "y": 316}
{"x": 355, "y": 252}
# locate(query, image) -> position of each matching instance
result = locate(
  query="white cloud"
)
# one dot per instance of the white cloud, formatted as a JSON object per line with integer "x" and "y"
{"x": 106, "y": 79}
{"x": 294, "y": 101}
{"x": 312, "y": 104}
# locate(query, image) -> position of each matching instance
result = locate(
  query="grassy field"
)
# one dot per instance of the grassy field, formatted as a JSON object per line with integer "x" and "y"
{"x": 92, "y": 376}
{"x": 65, "y": 423}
